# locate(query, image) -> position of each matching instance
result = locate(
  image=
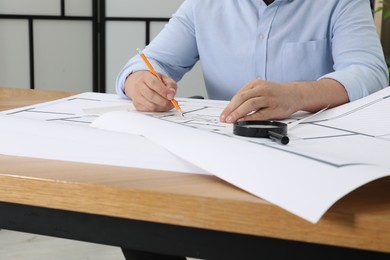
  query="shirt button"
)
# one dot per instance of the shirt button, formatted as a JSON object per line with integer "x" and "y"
{"x": 261, "y": 36}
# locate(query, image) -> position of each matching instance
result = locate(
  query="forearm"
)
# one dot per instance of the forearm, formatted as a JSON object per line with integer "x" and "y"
{"x": 313, "y": 96}
{"x": 267, "y": 100}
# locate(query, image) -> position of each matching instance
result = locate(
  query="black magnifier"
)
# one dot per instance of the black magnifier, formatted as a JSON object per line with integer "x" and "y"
{"x": 276, "y": 131}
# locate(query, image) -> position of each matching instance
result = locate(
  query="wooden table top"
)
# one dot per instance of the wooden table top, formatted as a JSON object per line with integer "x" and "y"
{"x": 359, "y": 220}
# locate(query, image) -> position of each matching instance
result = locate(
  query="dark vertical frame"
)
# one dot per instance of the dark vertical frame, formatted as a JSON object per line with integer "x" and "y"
{"x": 62, "y": 8}
{"x": 31, "y": 52}
{"x": 95, "y": 47}
{"x": 102, "y": 46}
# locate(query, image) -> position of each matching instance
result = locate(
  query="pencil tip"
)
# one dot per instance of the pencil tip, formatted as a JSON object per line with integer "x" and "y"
{"x": 180, "y": 111}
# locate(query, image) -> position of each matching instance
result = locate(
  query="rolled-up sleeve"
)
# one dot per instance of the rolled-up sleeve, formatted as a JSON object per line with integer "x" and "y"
{"x": 358, "y": 62}
{"x": 175, "y": 46}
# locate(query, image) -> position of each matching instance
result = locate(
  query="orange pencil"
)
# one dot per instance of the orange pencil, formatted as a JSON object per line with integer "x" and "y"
{"x": 150, "y": 67}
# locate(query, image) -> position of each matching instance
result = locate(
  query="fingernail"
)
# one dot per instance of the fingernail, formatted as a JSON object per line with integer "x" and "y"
{"x": 229, "y": 119}
{"x": 222, "y": 118}
{"x": 171, "y": 94}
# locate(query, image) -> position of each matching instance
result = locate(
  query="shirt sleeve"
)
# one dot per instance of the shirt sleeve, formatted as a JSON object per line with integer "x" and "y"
{"x": 175, "y": 45}
{"x": 359, "y": 63}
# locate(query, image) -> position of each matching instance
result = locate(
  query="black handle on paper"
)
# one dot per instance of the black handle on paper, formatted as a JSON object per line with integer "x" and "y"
{"x": 280, "y": 138}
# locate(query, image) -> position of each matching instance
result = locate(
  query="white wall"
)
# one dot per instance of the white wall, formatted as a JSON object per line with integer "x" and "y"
{"x": 63, "y": 49}
{"x": 14, "y": 61}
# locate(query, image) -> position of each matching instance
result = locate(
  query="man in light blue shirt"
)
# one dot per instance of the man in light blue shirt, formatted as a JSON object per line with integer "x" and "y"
{"x": 269, "y": 58}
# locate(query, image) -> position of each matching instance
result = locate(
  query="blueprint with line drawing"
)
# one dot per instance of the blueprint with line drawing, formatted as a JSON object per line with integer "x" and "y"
{"x": 328, "y": 156}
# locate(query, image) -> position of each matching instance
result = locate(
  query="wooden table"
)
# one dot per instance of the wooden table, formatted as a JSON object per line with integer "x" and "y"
{"x": 179, "y": 214}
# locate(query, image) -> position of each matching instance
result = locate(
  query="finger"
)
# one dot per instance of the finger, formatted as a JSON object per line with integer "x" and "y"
{"x": 147, "y": 106}
{"x": 248, "y": 110}
{"x": 144, "y": 105}
{"x": 143, "y": 95}
{"x": 239, "y": 98}
{"x": 153, "y": 101}
{"x": 163, "y": 85}
{"x": 243, "y": 103}
{"x": 171, "y": 86}
{"x": 156, "y": 84}
{"x": 259, "y": 115}
{"x": 235, "y": 102}
{"x": 139, "y": 86}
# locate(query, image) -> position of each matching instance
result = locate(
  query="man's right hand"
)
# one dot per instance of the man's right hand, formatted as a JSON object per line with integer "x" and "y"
{"x": 149, "y": 93}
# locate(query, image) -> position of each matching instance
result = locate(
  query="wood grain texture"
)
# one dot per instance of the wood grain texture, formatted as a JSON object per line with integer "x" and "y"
{"x": 359, "y": 220}
{"x": 14, "y": 97}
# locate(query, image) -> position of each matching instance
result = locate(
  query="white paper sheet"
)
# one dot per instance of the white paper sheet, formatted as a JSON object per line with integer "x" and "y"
{"x": 305, "y": 177}
{"x": 297, "y": 180}
{"x": 68, "y": 142}
{"x": 328, "y": 156}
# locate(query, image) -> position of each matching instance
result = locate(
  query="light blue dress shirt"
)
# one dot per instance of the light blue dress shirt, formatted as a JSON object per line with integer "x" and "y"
{"x": 290, "y": 40}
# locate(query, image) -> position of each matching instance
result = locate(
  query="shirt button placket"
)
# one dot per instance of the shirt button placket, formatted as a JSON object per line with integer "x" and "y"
{"x": 266, "y": 15}
{"x": 261, "y": 36}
